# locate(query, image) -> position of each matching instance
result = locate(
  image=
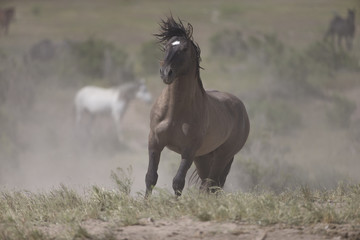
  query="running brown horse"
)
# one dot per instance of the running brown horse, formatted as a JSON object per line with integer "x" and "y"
{"x": 6, "y": 16}
{"x": 204, "y": 127}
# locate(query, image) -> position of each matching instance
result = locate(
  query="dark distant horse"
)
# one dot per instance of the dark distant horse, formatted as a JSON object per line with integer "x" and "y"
{"x": 343, "y": 28}
{"x": 204, "y": 127}
{"x": 6, "y": 16}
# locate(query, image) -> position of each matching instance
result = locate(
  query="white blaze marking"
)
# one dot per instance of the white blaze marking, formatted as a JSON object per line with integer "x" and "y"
{"x": 175, "y": 43}
{"x": 185, "y": 128}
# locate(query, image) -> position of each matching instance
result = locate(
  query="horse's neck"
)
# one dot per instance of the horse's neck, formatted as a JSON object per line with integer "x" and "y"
{"x": 350, "y": 19}
{"x": 183, "y": 95}
{"x": 123, "y": 101}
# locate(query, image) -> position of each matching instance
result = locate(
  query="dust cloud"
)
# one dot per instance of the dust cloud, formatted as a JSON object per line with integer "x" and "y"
{"x": 43, "y": 147}
{"x": 304, "y": 115}
{"x": 49, "y": 153}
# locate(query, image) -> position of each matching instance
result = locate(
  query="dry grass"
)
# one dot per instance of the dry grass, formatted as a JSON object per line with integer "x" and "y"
{"x": 26, "y": 215}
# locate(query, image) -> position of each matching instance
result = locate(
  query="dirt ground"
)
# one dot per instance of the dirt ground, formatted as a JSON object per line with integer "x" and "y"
{"x": 186, "y": 228}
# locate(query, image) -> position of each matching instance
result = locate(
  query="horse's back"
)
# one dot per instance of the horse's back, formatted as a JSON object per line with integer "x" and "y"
{"x": 225, "y": 100}
{"x": 341, "y": 26}
{"x": 95, "y": 99}
{"x": 97, "y": 91}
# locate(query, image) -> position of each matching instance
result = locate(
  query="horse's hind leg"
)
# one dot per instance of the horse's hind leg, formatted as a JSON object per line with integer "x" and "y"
{"x": 203, "y": 164}
{"x": 223, "y": 158}
{"x": 117, "y": 122}
{"x": 339, "y": 42}
{"x": 225, "y": 173}
{"x": 219, "y": 170}
{"x": 348, "y": 43}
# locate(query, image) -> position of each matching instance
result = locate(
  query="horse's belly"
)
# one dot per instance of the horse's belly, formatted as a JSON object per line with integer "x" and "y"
{"x": 98, "y": 107}
{"x": 99, "y": 110}
{"x": 215, "y": 136}
{"x": 209, "y": 145}
{"x": 174, "y": 148}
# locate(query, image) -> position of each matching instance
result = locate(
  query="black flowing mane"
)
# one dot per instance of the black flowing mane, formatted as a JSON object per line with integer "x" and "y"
{"x": 170, "y": 28}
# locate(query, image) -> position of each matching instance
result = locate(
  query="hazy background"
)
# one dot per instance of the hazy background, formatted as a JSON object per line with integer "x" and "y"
{"x": 302, "y": 95}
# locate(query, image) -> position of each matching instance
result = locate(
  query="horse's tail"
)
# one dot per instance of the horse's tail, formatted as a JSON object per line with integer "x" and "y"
{"x": 194, "y": 178}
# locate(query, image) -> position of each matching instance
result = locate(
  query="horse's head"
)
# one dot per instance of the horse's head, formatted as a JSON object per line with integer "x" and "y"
{"x": 10, "y": 13}
{"x": 143, "y": 93}
{"x": 351, "y": 14}
{"x": 135, "y": 89}
{"x": 182, "y": 55}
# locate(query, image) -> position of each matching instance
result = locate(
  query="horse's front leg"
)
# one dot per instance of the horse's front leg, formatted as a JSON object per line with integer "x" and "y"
{"x": 348, "y": 43}
{"x": 179, "y": 179}
{"x": 117, "y": 116}
{"x": 154, "y": 159}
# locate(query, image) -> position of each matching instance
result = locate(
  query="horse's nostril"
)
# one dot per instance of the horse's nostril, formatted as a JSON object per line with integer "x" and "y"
{"x": 166, "y": 72}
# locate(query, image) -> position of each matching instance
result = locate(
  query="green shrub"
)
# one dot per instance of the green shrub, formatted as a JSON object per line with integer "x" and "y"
{"x": 229, "y": 44}
{"x": 150, "y": 55}
{"x": 272, "y": 48}
{"x": 229, "y": 10}
{"x": 36, "y": 10}
{"x": 294, "y": 69}
{"x": 307, "y": 71}
{"x": 313, "y": 68}
{"x": 325, "y": 58}
{"x": 340, "y": 112}
{"x": 91, "y": 54}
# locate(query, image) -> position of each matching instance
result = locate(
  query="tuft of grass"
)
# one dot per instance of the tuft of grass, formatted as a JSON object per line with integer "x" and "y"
{"x": 22, "y": 214}
{"x": 123, "y": 179}
{"x": 82, "y": 233}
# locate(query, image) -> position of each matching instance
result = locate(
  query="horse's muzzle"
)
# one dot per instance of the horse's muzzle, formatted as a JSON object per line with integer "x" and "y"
{"x": 166, "y": 74}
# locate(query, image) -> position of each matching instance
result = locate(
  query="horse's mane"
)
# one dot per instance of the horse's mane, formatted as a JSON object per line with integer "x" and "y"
{"x": 170, "y": 28}
{"x": 126, "y": 90}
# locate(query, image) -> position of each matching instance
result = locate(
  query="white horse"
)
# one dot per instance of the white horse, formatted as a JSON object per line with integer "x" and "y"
{"x": 98, "y": 101}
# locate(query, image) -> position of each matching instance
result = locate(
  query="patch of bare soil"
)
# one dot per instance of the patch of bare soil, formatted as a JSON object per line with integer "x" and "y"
{"x": 186, "y": 228}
